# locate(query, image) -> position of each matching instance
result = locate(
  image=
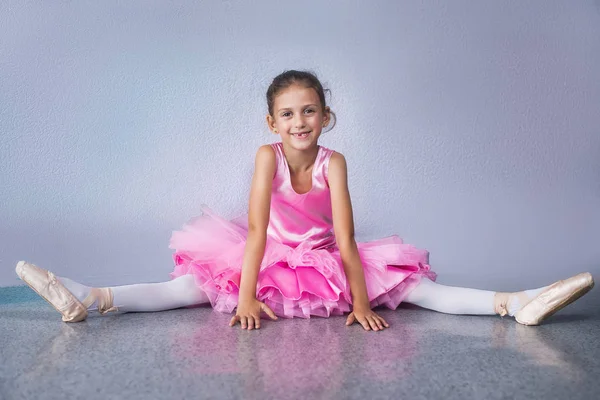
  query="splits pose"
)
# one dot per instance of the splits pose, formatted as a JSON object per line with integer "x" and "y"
{"x": 295, "y": 255}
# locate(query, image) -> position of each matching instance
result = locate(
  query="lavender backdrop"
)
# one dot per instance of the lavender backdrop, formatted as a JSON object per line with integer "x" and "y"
{"x": 471, "y": 128}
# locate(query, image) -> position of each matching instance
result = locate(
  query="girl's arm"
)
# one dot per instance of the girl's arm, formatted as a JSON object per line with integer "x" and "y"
{"x": 343, "y": 226}
{"x": 249, "y": 308}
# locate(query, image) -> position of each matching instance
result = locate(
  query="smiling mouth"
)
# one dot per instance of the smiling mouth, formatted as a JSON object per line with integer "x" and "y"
{"x": 301, "y": 134}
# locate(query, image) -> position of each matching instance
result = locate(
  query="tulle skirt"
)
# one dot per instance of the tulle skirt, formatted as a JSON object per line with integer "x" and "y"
{"x": 293, "y": 281}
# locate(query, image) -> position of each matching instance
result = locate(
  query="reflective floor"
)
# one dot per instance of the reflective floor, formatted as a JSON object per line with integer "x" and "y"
{"x": 192, "y": 353}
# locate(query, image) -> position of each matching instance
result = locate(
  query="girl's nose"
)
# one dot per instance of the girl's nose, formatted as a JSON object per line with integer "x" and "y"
{"x": 299, "y": 122}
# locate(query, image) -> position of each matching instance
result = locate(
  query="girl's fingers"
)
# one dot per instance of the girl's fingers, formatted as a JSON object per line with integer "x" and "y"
{"x": 369, "y": 322}
{"x": 252, "y": 321}
{"x": 365, "y": 324}
{"x": 350, "y": 320}
{"x": 381, "y": 322}
{"x": 384, "y": 322}
{"x": 377, "y": 319}
{"x": 268, "y": 311}
{"x": 257, "y": 321}
{"x": 373, "y": 323}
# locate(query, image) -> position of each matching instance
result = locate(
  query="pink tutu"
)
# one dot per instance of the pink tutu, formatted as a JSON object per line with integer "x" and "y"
{"x": 301, "y": 273}
{"x": 294, "y": 281}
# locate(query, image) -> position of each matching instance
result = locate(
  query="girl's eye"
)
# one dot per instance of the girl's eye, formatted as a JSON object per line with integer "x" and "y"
{"x": 286, "y": 114}
{"x": 309, "y": 111}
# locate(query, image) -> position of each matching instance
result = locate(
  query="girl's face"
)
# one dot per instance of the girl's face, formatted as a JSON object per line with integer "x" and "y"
{"x": 298, "y": 117}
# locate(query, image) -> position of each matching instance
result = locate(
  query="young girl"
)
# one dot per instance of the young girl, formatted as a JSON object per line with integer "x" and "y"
{"x": 296, "y": 255}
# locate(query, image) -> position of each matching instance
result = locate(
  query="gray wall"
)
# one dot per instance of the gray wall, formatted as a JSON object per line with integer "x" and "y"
{"x": 471, "y": 128}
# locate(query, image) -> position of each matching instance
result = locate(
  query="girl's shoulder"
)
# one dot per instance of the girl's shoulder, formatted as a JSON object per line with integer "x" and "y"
{"x": 337, "y": 160}
{"x": 332, "y": 154}
{"x": 266, "y": 148}
{"x": 268, "y": 153}
{"x": 266, "y": 158}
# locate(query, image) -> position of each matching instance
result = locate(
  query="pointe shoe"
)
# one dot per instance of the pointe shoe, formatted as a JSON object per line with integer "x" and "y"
{"x": 45, "y": 284}
{"x": 104, "y": 296}
{"x": 554, "y": 298}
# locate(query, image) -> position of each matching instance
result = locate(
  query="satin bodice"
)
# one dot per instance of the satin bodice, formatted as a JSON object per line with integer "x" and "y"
{"x": 301, "y": 218}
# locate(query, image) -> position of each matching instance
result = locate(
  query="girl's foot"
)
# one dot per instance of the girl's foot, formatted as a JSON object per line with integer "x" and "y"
{"x": 546, "y": 302}
{"x": 47, "y": 285}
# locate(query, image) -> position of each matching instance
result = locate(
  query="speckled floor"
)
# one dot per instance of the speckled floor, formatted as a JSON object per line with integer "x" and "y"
{"x": 193, "y": 354}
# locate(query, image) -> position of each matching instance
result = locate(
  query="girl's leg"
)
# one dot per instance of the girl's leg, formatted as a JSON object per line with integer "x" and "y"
{"x": 147, "y": 297}
{"x": 458, "y": 300}
{"x": 529, "y": 307}
{"x": 73, "y": 300}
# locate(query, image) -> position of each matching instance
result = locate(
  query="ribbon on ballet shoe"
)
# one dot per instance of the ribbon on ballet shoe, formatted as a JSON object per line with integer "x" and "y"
{"x": 104, "y": 296}
{"x": 517, "y": 301}
{"x": 105, "y": 301}
{"x": 501, "y": 303}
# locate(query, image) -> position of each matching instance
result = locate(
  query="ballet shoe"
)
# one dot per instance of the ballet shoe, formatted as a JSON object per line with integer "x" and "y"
{"x": 45, "y": 283}
{"x": 557, "y": 296}
{"x": 501, "y": 300}
{"x": 104, "y": 296}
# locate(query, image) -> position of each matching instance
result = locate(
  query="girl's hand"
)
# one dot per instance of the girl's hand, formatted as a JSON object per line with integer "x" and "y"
{"x": 367, "y": 318}
{"x": 248, "y": 314}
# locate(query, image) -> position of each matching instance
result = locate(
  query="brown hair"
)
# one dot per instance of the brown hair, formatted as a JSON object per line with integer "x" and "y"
{"x": 304, "y": 78}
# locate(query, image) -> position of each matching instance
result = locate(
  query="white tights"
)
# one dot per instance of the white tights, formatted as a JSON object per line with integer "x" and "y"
{"x": 177, "y": 293}
{"x": 451, "y": 299}
{"x": 183, "y": 291}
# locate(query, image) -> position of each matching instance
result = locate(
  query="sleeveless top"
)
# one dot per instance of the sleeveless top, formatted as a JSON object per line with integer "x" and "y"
{"x": 301, "y": 273}
{"x": 301, "y": 218}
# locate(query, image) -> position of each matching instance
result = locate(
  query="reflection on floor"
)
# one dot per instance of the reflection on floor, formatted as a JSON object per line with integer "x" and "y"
{"x": 192, "y": 353}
